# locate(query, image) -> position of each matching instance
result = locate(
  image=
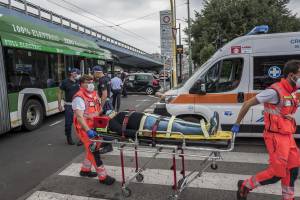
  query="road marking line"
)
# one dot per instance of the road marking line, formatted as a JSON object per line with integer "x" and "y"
{"x": 56, "y": 123}
{"x": 217, "y": 181}
{"x": 143, "y": 100}
{"x": 238, "y": 157}
{"x": 148, "y": 110}
{"x": 41, "y": 195}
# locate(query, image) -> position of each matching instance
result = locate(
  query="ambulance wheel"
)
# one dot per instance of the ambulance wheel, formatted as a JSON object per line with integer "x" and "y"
{"x": 139, "y": 178}
{"x": 126, "y": 192}
{"x": 214, "y": 166}
{"x": 32, "y": 115}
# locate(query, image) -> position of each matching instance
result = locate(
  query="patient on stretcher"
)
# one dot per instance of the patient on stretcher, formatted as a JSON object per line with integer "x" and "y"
{"x": 129, "y": 123}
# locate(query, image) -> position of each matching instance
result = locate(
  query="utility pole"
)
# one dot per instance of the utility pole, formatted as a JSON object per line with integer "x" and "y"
{"x": 189, "y": 39}
{"x": 180, "y": 54}
{"x": 174, "y": 74}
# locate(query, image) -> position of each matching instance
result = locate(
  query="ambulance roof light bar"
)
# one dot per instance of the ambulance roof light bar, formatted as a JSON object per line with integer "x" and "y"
{"x": 259, "y": 30}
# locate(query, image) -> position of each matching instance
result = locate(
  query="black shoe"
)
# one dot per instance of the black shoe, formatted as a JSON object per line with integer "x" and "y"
{"x": 70, "y": 140}
{"x": 106, "y": 148}
{"x": 89, "y": 174}
{"x": 242, "y": 191}
{"x": 108, "y": 180}
{"x": 79, "y": 143}
{"x": 214, "y": 124}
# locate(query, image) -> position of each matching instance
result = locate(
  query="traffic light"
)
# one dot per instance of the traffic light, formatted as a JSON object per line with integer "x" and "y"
{"x": 179, "y": 49}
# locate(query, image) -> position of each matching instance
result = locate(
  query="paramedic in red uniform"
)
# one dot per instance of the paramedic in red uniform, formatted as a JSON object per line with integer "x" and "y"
{"x": 86, "y": 106}
{"x": 280, "y": 104}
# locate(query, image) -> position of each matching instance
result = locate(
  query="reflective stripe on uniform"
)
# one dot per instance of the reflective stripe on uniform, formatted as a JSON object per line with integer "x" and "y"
{"x": 287, "y": 192}
{"x": 86, "y": 165}
{"x": 251, "y": 183}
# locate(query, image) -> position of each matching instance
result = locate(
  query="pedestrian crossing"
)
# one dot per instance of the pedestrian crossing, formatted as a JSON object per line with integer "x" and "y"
{"x": 159, "y": 176}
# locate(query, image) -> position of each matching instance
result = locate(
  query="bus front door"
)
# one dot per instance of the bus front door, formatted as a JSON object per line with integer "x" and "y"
{"x": 4, "y": 110}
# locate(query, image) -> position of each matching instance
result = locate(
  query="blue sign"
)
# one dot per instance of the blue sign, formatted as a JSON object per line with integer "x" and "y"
{"x": 228, "y": 113}
{"x": 274, "y": 72}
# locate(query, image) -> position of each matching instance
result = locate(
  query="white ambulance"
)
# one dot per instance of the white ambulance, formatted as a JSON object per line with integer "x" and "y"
{"x": 236, "y": 72}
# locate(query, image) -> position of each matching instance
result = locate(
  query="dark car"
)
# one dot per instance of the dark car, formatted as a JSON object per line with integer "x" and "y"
{"x": 142, "y": 82}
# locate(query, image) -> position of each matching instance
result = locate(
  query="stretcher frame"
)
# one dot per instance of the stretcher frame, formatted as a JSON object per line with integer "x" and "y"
{"x": 174, "y": 151}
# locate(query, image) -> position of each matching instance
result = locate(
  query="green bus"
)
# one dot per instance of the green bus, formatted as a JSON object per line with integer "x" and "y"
{"x": 34, "y": 59}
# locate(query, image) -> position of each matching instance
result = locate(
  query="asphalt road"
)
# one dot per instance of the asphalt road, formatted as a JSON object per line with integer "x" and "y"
{"x": 27, "y": 158}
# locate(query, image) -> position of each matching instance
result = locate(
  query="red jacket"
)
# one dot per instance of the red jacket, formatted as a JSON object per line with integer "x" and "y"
{"x": 279, "y": 117}
{"x": 92, "y": 107}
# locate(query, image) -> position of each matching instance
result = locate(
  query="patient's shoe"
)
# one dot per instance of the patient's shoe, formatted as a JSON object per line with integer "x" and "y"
{"x": 214, "y": 124}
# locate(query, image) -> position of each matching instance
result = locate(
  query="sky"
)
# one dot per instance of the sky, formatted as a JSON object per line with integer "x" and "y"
{"x": 135, "y": 22}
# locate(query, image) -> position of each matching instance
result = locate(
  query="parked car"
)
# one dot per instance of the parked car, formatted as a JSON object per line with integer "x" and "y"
{"x": 142, "y": 82}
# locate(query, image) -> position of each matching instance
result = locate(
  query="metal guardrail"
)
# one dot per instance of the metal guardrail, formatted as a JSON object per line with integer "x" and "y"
{"x": 49, "y": 16}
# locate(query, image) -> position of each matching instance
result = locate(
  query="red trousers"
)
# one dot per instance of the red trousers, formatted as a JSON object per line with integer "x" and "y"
{"x": 92, "y": 155}
{"x": 284, "y": 160}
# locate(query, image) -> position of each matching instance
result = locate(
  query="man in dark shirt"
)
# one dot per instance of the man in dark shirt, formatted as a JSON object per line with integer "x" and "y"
{"x": 69, "y": 87}
{"x": 103, "y": 92}
{"x": 123, "y": 78}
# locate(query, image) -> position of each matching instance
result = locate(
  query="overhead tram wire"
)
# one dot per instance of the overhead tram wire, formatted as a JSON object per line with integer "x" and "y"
{"x": 109, "y": 22}
{"x": 145, "y": 16}
{"x": 97, "y": 21}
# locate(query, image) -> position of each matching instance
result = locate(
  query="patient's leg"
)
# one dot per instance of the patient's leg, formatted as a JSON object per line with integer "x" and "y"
{"x": 182, "y": 126}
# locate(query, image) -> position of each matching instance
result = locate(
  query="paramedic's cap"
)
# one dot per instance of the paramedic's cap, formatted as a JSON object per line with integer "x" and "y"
{"x": 74, "y": 70}
{"x": 97, "y": 68}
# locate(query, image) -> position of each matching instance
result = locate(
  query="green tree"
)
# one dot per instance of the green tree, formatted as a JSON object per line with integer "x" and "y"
{"x": 223, "y": 20}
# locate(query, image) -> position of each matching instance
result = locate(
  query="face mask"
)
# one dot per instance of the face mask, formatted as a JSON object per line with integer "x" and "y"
{"x": 77, "y": 77}
{"x": 297, "y": 82}
{"x": 91, "y": 87}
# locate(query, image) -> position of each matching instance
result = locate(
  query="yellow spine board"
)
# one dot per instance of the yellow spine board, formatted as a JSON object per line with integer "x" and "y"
{"x": 221, "y": 135}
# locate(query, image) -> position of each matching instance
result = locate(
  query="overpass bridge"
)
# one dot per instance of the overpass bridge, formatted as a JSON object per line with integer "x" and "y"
{"x": 125, "y": 54}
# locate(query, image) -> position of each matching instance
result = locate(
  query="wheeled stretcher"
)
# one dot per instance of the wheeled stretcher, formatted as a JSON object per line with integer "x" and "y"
{"x": 175, "y": 144}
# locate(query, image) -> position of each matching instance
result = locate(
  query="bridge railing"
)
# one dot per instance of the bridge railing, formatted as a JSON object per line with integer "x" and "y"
{"x": 49, "y": 16}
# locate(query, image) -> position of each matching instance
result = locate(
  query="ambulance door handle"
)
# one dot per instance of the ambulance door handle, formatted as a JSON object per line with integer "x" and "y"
{"x": 240, "y": 97}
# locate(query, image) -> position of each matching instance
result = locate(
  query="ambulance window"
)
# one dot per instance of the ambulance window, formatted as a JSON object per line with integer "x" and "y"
{"x": 211, "y": 78}
{"x": 224, "y": 75}
{"x": 268, "y": 70}
{"x": 230, "y": 74}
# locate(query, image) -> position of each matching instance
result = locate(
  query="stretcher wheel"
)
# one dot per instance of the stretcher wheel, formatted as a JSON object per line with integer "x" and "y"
{"x": 214, "y": 166}
{"x": 179, "y": 184}
{"x": 139, "y": 178}
{"x": 126, "y": 192}
{"x": 172, "y": 197}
